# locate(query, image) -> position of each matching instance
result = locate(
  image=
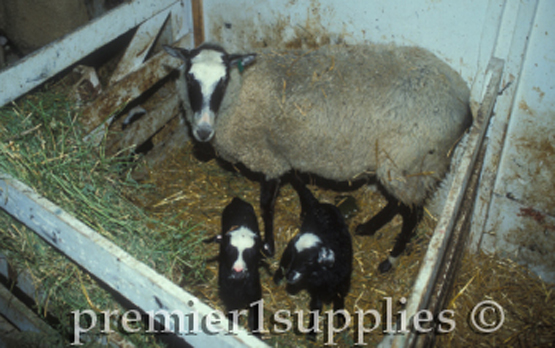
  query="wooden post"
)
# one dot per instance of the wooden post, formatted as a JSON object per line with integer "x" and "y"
{"x": 198, "y": 21}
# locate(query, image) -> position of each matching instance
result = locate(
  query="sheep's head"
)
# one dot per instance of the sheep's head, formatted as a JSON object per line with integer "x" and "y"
{"x": 207, "y": 75}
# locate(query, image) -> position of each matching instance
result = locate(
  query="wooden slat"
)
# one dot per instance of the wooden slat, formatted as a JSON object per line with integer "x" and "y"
{"x": 141, "y": 130}
{"x": 454, "y": 251}
{"x": 39, "y": 66}
{"x": 97, "y": 115}
{"x": 141, "y": 285}
{"x": 139, "y": 47}
{"x": 198, "y": 21}
{"x": 20, "y": 315}
{"x": 516, "y": 26}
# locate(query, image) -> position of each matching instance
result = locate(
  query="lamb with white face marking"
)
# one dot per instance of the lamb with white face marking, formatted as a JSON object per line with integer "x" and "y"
{"x": 239, "y": 259}
{"x": 318, "y": 259}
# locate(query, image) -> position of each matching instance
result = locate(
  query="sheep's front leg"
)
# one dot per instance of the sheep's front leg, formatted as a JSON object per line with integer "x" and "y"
{"x": 269, "y": 190}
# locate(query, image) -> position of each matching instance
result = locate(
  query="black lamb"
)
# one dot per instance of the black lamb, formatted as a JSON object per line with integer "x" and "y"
{"x": 239, "y": 259}
{"x": 319, "y": 258}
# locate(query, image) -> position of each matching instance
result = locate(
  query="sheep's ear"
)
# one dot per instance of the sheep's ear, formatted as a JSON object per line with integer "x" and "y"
{"x": 242, "y": 60}
{"x": 326, "y": 257}
{"x": 178, "y": 52}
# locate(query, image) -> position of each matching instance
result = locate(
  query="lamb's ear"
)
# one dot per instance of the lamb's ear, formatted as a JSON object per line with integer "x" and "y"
{"x": 326, "y": 257}
{"x": 215, "y": 239}
{"x": 278, "y": 276}
{"x": 242, "y": 60}
{"x": 177, "y": 52}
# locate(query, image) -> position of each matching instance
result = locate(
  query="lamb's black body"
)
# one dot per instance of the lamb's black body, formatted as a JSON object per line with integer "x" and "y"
{"x": 238, "y": 290}
{"x": 323, "y": 269}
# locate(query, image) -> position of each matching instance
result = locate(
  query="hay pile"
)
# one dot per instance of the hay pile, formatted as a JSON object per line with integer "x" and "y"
{"x": 40, "y": 144}
{"x": 528, "y": 305}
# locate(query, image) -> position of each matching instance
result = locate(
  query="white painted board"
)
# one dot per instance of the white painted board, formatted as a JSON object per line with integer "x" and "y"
{"x": 141, "y": 285}
{"x": 39, "y": 66}
{"x": 521, "y": 220}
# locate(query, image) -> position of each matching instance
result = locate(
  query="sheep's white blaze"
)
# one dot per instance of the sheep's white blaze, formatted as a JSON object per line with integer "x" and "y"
{"x": 208, "y": 68}
{"x": 242, "y": 239}
{"x": 307, "y": 241}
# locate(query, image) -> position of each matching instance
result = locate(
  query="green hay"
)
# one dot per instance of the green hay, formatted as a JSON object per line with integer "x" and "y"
{"x": 41, "y": 145}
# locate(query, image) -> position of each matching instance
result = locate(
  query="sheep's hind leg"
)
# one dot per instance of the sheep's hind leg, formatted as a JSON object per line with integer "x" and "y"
{"x": 411, "y": 218}
{"x": 379, "y": 220}
{"x": 269, "y": 190}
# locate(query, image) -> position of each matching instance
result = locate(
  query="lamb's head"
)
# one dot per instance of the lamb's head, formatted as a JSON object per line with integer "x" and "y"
{"x": 240, "y": 252}
{"x": 207, "y": 75}
{"x": 306, "y": 254}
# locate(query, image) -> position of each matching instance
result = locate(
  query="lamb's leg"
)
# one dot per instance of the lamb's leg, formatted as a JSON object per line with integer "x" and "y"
{"x": 411, "y": 218}
{"x": 380, "y": 219}
{"x": 269, "y": 190}
{"x": 254, "y": 323}
{"x": 315, "y": 306}
{"x": 339, "y": 303}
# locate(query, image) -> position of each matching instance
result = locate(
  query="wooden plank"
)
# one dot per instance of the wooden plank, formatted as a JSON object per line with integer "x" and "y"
{"x": 23, "y": 279}
{"x": 139, "y": 47}
{"x": 516, "y": 27}
{"x": 98, "y": 115}
{"x": 427, "y": 276}
{"x": 172, "y": 143}
{"x": 20, "y": 315}
{"x": 454, "y": 252}
{"x": 198, "y": 21}
{"x": 147, "y": 126}
{"x": 25, "y": 284}
{"x": 39, "y": 66}
{"x": 141, "y": 285}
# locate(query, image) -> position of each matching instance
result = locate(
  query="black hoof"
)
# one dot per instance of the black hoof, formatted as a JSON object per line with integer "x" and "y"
{"x": 311, "y": 336}
{"x": 385, "y": 266}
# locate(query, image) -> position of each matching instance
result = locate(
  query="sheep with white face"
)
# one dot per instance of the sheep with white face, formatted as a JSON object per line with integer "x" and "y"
{"x": 344, "y": 113}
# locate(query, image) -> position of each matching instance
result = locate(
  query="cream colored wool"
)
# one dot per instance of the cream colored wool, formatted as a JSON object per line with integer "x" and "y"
{"x": 344, "y": 112}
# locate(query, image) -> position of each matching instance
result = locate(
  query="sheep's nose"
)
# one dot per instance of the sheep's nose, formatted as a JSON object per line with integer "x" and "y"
{"x": 204, "y": 134}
